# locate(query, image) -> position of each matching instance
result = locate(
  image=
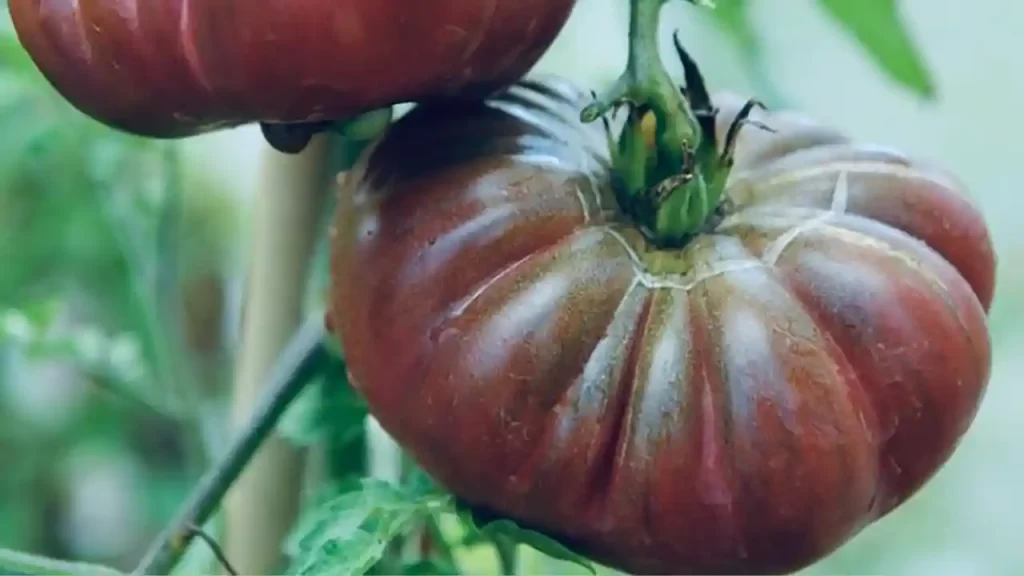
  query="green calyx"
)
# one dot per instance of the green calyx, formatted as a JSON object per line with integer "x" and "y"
{"x": 672, "y": 182}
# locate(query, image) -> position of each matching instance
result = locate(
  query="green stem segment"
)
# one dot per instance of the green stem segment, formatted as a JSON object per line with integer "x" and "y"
{"x": 671, "y": 191}
{"x": 16, "y": 562}
{"x": 298, "y": 363}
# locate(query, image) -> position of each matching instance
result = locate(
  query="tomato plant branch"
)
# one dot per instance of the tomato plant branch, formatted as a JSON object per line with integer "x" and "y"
{"x": 291, "y": 197}
{"x": 296, "y": 366}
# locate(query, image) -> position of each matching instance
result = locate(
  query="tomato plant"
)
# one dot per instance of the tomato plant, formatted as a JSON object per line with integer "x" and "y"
{"x": 708, "y": 337}
{"x": 739, "y": 395}
{"x": 171, "y": 68}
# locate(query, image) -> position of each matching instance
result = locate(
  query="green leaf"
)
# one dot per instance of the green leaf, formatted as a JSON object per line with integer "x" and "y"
{"x": 484, "y": 525}
{"x": 349, "y": 533}
{"x": 14, "y": 562}
{"x": 879, "y": 28}
{"x": 733, "y": 18}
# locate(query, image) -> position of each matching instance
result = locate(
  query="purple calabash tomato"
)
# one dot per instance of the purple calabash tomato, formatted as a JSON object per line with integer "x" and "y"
{"x": 743, "y": 404}
{"x": 174, "y": 68}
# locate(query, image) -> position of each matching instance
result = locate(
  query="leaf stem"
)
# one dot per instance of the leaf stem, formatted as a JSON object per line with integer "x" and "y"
{"x": 508, "y": 555}
{"x": 295, "y": 367}
{"x": 440, "y": 544}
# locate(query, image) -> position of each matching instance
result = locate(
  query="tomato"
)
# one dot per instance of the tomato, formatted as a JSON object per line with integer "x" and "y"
{"x": 174, "y": 68}
{"x": 743, "y": 404}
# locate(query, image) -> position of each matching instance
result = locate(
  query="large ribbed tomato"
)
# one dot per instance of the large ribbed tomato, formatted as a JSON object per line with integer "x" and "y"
{"x": 744, "y": 404}
{"x": 172, "y": 68}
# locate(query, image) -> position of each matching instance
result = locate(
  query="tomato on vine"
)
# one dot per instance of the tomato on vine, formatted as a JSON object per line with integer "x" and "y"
{"x": 175, "y": 68}
{"x": 724, "y": 344}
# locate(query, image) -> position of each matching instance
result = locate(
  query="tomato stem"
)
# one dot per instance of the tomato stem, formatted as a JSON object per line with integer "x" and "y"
{"x": 646, "y": 84}
{"x": 671, "y": 189}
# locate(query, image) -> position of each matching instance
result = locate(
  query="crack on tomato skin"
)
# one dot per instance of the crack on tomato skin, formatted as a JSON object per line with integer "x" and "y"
{"x": 828, "y": 226}
{"x": 677, "y": 281}
{"x": 755, "y": 189}
{"x": 831, "y": 225}
{"x": 874, "y": 167}
{"x": 458, "y": 307}
{"x": 893, "y": 488}
{"x": 840, "y": 200}
{"x": 584, "y": 205}
{"x": 745, "y": 185}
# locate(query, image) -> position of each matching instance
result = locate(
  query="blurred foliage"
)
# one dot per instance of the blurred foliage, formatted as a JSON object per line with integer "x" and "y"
{"x": 350, "y": 531}
{"x": 874, "y": 24}
{"x": 878, "y": 27}
{"x": 106, "y": 310}
{"x": 112, "y": 362}
{"x": 733, "y": 17}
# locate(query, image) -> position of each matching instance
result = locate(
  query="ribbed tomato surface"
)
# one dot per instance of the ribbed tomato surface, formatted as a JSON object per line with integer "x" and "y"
{"x": 744, "y": 404}
{"x": 173, "y": 68}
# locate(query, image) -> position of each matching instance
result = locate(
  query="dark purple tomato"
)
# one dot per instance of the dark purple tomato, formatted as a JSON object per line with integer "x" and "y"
{"x": 174, "y": 68}
{"x": 744, "y": 404}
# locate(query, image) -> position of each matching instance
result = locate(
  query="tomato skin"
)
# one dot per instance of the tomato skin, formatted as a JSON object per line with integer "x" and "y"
{"x": 174, "y": 68}
{"x": 804, "y": 370}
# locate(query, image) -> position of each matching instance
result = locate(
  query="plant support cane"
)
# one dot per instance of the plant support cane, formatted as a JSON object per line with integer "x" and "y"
{"x": 264, "y": 504}
{"x": 292, "y": 198}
